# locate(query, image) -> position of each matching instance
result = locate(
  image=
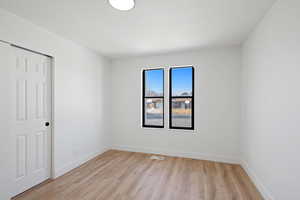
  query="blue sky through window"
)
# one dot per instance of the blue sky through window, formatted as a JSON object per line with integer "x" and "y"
{"x": 154, "y": 82}
{"x": 182, "y": 81}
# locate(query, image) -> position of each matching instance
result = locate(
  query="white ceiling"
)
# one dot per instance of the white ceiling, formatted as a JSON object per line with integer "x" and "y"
{"x": 152, "y": 27}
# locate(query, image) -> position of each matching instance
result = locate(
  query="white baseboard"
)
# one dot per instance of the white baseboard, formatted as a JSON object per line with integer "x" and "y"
{"x": 257, "y": 182}
{"x": 193, "y": 155}
{"x": 68, "y": 167}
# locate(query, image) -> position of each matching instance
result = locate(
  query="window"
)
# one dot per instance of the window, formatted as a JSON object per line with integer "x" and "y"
{"x": 153, "y": 98}
{"x": 181, "y": 100}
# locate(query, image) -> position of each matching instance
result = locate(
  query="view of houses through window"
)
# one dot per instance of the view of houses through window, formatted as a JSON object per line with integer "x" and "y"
{"x": 181, "y": 112}
{"x": 153, "y": 98}
{"x": 180, "y": 100}
{"x": 181, "y": 97}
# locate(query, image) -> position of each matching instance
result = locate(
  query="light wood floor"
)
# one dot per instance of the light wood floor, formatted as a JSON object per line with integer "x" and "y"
{"x": 118, "y": 175}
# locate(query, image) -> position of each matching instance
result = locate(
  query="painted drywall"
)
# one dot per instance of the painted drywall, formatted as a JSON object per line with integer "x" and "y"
{"x": 271, "y": 102}
{"x": 81, "y": 81}
{"x": 6, "y": 118}
{"x": 217, "y": 106}
{"x": 97, "y": 24}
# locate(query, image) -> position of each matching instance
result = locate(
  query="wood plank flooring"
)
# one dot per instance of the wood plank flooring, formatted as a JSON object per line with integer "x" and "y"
{"x": 119, "y": 175}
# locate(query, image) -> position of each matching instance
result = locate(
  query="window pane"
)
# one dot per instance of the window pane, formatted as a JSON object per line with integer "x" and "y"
{"x": 154, "y": 111}
{"x": 182, "y": 81}
{"x": 154, "y": 82}
{"x": 181, "y": 112}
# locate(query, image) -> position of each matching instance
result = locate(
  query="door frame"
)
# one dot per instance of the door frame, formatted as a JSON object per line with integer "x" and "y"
{"x": 52, "y": 70}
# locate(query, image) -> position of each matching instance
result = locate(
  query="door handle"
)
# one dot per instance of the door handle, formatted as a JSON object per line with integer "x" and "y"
{"x": 47, "y": 124}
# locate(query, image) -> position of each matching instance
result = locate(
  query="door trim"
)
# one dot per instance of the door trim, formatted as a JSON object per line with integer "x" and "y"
{"x": 26, "y": 49}
{"x": 52, "y": 61}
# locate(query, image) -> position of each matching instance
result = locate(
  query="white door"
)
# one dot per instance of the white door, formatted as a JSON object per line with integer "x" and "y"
{"x": 32, "y": 115}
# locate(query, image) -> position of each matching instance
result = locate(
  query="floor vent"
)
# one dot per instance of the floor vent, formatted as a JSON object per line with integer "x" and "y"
{"x": 157, "y": 158}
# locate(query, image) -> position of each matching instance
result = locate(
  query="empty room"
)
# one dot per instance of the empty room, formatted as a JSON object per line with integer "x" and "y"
{"x": 149, "y": 100}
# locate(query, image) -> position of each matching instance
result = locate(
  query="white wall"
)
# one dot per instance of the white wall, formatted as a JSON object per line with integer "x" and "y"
{"x": 81, "y": 83}
{"x": 217, "y": 106}
{"x": 271, "y": 102}
{"x": 6, "y": 118}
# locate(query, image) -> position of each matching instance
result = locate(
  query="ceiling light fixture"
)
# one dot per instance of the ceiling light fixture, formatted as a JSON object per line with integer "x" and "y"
{"x": 122, "y": 4}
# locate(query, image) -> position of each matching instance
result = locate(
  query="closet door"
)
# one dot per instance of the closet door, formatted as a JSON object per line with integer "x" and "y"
{"x": 32, "y": 123}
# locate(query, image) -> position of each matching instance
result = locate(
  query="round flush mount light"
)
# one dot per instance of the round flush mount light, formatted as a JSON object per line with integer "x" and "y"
{"x": 122, "y": 4}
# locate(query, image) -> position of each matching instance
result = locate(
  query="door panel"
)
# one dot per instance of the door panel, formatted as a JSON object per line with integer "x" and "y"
{"x": 21, "y": 100}
{"x": 39, "y": 151}
{"x": 39, "y": 93}
{"x": 32, "y": 106}
{"x": 21, "y": 156}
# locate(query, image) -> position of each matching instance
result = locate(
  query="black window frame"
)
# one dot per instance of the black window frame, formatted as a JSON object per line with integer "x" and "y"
{"x": 153, "y": 97}
{"x": 177, "y": 97}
